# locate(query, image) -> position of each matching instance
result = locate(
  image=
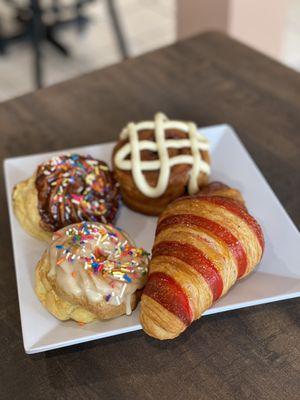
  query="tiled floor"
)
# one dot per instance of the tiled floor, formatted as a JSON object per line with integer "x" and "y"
{"x": 147, "y": 24}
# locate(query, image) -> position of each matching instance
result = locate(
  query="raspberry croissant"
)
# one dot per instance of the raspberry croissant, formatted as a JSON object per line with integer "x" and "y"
{"x": 203, "y": 244}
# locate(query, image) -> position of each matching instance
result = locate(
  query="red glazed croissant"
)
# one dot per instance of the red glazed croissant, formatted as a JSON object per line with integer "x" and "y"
{"x": 203, "y": 244}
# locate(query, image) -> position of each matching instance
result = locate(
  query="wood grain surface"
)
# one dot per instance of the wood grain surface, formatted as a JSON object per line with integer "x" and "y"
{"x": 246, "y": 354}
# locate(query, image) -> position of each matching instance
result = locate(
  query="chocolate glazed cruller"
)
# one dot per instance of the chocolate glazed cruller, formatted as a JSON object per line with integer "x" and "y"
{"x": 72, "y": 188}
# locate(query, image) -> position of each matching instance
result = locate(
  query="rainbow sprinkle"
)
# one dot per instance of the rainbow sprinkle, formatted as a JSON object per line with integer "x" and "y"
{"x": 82, "y": 187}
{"x": 123, "y": 262}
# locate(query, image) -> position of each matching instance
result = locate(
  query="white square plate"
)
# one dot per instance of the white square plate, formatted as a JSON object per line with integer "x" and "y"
{"x": 276, "y": 278}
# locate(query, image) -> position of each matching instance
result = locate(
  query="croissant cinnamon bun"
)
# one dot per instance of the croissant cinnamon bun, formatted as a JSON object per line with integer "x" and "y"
{"x": 157, "y": 161}
{"x": 65, "y": 190}
{"x": 203, "y": 245}
{"x": 91, "y": 271}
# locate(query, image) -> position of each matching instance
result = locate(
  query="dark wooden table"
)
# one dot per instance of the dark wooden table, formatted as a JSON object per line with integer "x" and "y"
{"x": 246, "y": 354}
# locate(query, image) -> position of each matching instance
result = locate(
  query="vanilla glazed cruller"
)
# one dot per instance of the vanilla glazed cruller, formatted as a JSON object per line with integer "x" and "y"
{"x": 91, "y": 271}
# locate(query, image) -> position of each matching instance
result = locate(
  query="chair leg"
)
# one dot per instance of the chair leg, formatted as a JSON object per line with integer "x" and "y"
{"x": 50, "y": 37}
{"x": 37, "y": 35}
{"x": 117, "y": 28}
{"x": 2, "y": 41}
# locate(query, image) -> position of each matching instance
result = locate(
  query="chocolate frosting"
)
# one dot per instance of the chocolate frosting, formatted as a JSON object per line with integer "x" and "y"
{"x": 74, "y": 188}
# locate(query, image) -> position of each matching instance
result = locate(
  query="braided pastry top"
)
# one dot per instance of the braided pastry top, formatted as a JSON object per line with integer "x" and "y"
{"x": 151, "y": 149}
{"x": 73, "y": 188}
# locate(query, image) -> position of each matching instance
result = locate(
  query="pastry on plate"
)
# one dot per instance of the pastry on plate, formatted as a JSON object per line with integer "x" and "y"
{"x": 91, "y": 271}
{"x": 157, "y": 161}
{"x": 203, "y": 244}
{"x": 63, "y": 190}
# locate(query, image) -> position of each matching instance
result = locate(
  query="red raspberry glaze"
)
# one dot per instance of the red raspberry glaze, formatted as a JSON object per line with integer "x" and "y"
{"x": 168, "y": 293}
{"x": 235, "y": 208}
{"x": 216, "y": 229}
{"x": 196, "y": 259}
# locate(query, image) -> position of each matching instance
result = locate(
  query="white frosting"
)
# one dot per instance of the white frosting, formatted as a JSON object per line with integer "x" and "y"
{"x": 71, "y": 264}
{"x": 196, "y": 142}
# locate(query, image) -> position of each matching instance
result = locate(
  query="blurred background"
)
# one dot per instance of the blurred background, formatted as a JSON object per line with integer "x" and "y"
{"x": 43, "y": 42}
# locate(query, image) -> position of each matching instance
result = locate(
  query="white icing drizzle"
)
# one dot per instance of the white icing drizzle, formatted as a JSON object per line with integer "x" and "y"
{"x": 71, "y": 264}
{"x": 128, "y": 305}
{"x": 196, "y": 142}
